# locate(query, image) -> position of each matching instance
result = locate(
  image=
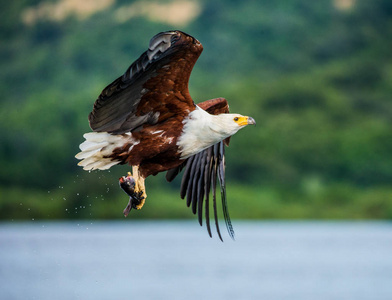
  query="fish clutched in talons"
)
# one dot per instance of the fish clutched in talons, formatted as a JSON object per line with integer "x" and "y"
{"x": 136, "y": 198}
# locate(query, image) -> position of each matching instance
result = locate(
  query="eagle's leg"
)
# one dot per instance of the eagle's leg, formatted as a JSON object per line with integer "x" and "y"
{"x": 140, "y": 189}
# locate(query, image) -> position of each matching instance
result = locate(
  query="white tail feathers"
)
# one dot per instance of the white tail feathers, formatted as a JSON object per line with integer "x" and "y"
{"x": 96, "y": 149}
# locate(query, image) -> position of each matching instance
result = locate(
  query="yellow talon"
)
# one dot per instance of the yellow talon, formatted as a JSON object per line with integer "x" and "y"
{"x": 140, "y": 205}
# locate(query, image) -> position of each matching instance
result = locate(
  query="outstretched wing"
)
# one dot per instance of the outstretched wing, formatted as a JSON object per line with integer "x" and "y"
{"x": 153, "y": 89}
{"x": 202, "y": 172}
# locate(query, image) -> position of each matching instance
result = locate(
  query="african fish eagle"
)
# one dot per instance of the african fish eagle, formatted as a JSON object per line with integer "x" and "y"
{"x": 147, "y": 119}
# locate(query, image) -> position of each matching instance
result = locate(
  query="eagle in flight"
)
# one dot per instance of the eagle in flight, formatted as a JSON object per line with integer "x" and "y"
{"x": 147, "y": 119}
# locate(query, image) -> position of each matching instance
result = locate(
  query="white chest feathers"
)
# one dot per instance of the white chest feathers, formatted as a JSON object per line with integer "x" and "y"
{"x": 202, "y": 130}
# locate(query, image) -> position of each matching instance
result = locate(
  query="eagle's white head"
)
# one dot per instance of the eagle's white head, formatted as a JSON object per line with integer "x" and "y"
{"x": 202, "y": 130}
{"x": 228, "y": 124}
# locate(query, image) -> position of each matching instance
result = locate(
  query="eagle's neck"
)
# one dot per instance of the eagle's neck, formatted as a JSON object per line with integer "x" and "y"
{"x": 201, "y": 130}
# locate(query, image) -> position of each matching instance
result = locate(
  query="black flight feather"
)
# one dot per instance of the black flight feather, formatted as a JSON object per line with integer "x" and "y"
{"x": 200, "y": 188}
{"x": 195, "y": 181}
{"x": 191, "y": 177}
{"x": 221, "y": 176}
{"x": 207, "y": 183}
{"x": 214, "y": 181}
{"x": 185, "y": 177}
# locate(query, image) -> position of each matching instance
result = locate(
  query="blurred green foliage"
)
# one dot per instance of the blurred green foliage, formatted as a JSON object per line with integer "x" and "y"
{"x": 317, "y": 79}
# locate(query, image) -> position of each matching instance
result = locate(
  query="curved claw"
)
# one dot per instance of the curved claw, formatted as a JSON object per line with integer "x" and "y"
{"x": 138, "y": 200}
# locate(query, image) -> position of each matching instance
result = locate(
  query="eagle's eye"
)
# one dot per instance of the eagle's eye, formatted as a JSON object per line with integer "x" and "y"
{"x": 236, "y": 119}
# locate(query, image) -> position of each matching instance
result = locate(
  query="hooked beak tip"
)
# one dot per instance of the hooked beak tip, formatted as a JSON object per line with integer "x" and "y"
{"x": 251, "y": 121}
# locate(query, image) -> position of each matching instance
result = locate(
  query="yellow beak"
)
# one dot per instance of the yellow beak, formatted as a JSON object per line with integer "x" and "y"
{"x": 246, "y": 121}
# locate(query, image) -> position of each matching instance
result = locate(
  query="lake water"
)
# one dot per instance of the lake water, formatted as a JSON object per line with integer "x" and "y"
{"x": 177, "y": 260}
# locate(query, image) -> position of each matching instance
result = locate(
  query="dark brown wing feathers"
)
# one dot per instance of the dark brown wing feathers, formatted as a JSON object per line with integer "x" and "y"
{"x": 154, "y": 87}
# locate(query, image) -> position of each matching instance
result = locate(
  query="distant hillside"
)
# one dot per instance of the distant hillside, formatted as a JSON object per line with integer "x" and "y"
{"x": 316, "y": 75}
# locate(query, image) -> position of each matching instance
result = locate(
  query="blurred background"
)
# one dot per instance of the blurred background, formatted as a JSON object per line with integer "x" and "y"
{"x": 316, "y": 75}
